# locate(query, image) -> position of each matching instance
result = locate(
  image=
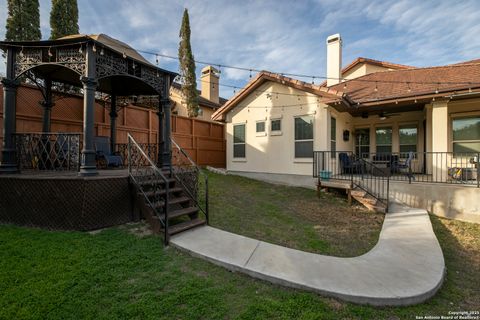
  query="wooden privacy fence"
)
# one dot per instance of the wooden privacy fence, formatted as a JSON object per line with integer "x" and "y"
{"x": 203, "y": 140}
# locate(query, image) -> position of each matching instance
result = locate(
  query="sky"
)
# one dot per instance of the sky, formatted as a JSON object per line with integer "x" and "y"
{"x": 284, "y": 36}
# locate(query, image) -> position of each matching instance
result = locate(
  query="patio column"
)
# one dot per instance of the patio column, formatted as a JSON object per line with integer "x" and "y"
{"x": 113, "y": 122}
{"x": 440, "y": 138}
{"x": 88, "y": 165}
{"x": 167, "y": 147}
{"x": 161, "y": 135}
{"x": 9, "y": 163}
{"x": 47, "y": 105}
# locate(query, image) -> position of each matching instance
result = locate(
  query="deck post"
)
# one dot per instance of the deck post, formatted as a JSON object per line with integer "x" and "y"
{"x": 161, "y": 136}
{"x": 9, "y": 161}
{"x": 88, "y": 165}
{"x": 167, "y": 146}
{"x": 113, "y": 121}
{"x": 47, "y": 105}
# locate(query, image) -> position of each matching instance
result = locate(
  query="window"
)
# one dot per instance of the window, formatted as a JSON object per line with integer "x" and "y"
{"x": 333, "y": 136}
{"x": 260, "y": 126}
{"x": 384, "y": 140}
{"x": 362, "y": 142}
{"x": 276, "y": 125}
{"x": 239, "y": 141}
{"x": 304, "y": 137}
{"x": 407, "y": 139}
{"x": 466, "y": 134}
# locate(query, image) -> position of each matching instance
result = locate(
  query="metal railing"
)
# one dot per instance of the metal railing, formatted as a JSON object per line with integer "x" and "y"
{"x": 427, "y": 167}
{"x": 150, "y": 181}
{"x": 188, "y": 174}
{"x": 150, "y": 149}
{"x": 48, "y": 151}
{"x": 344, "y": 165}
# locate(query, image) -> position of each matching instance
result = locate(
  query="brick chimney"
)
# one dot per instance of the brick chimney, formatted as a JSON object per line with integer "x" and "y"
{"x": 209, "y": 84}
{"x": 334, "y": 59}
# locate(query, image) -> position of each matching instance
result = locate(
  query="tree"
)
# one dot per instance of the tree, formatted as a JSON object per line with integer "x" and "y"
{"x": 63, "y": 18}
{"x": 187, "y": 68}
{"x": 23, "y": 21}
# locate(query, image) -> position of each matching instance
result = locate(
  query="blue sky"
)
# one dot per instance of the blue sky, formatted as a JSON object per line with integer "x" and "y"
{"x": 285, "y": 35}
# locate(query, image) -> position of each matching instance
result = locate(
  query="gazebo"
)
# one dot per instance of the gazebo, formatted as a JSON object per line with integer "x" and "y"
{"x": 95, "y": 63}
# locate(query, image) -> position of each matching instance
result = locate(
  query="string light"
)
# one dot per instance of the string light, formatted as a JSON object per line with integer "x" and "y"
{"x": 102, "y": 52}
{"x": 408, "y": 87}
{"x": 94, "y": 48}
{"x": 50, "y": 53}
{"x": 124, "y": 55}
{"x": 80, "y": 50}
{"x": 376, "y": 88}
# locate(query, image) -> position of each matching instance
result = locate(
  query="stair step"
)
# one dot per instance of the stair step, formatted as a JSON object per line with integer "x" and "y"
{"x": 180, "y": 212}
{"x": 358, "y": 193}
{"x": 159, "y": 181}
{"x": 176, "y": 200}
{"x": 162, "y": 192}
{"x": 180, "y": 227}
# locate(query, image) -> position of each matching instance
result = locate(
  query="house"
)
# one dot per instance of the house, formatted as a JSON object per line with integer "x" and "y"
{"x": 208, "y": 97}
{"x": 282, "y": 129}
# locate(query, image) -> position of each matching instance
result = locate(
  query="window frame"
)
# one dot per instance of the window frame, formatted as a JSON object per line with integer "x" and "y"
{"x": 461, "y": 117}
{"x": 333, "y": 140}
{"x": 244, "y": 143}
{"x": 359, "y": 147}
{"x": 274, "y": 132}
{"x": 261, "y": 133}
{"x": 384, "y": 145}
{"x": 303, "y": 140}
{"x": 404, "y": 154}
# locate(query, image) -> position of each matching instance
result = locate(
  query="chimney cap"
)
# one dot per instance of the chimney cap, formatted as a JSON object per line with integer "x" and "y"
{"x": 210, "y": 69}
{"x": 333, "y": 38}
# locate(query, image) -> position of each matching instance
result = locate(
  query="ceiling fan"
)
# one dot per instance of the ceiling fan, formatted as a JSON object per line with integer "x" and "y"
{"x": 385, "y": 115}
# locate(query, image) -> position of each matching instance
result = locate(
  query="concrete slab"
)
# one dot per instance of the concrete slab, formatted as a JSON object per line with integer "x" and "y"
{"x": 405, "y": 267}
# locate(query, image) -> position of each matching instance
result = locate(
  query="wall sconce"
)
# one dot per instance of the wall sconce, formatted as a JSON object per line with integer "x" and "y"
{"x": 346, "y": 135}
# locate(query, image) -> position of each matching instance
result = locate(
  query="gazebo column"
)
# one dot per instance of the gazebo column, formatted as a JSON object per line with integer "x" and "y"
{"x": 113, "y": 122}
{"x": 167, "y": 146}
{"x": 47, "y": 106}
{"x": 88, "y": 165}
{"x": 161, "y": 135}
{"x": 9, "y": 163}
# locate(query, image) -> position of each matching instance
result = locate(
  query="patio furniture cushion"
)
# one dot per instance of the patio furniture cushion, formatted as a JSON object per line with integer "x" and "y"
{"x": 102, "y": 149}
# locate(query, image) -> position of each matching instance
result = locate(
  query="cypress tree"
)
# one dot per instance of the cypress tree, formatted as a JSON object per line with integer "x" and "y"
{"x": 187, "y": 68}
{"x": 23, "y": 21}
{"x": 63, "y": 18}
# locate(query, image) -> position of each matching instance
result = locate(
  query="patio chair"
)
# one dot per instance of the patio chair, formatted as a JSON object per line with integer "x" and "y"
{"x": 103, "y": 152}
{"x": 398, "y": 166}
{"x": 349, "y": 165}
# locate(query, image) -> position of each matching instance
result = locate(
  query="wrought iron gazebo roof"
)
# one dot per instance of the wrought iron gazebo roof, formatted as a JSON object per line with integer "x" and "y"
{"x": 118, "y": 68}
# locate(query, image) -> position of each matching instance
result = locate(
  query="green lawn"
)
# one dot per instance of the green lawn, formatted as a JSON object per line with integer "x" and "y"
{"x": 292, "y": 217}
{"x": 118, "y": 274}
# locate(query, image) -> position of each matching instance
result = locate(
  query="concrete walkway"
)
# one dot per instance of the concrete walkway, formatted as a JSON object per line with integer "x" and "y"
{"x": 405, "y": 267}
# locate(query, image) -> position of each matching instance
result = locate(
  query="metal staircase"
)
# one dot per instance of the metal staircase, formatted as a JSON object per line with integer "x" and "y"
{"x": 168, "y": 198}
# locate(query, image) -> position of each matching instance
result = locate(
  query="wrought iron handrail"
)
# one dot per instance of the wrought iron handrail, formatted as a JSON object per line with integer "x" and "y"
{"x": 377, "y": 184}
{"x": 48, "y": 150}
{"x": 188, "y": 179}
{"x": 423, "y": 167}
{"x": 142, "y": 169}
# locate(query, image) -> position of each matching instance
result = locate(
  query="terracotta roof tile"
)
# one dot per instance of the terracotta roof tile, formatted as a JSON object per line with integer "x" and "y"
{"x": 411, "y": 82}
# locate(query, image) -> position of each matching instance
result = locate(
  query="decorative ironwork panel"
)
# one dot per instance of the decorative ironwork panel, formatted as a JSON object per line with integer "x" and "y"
{"x": 191, "y": 178}
{"x": 109, "y": 64}
{"x": 150, "y": 149}
{"x": 48, "y": 151}
{"x": 153, "y": 78}
{"x": 149, "y": 180}
{"x": 26, "y": 59}
{"x": 73, "y": 59}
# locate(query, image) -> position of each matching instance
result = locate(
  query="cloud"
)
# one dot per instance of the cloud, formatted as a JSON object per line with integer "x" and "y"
{"x": 285, "y": 36}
